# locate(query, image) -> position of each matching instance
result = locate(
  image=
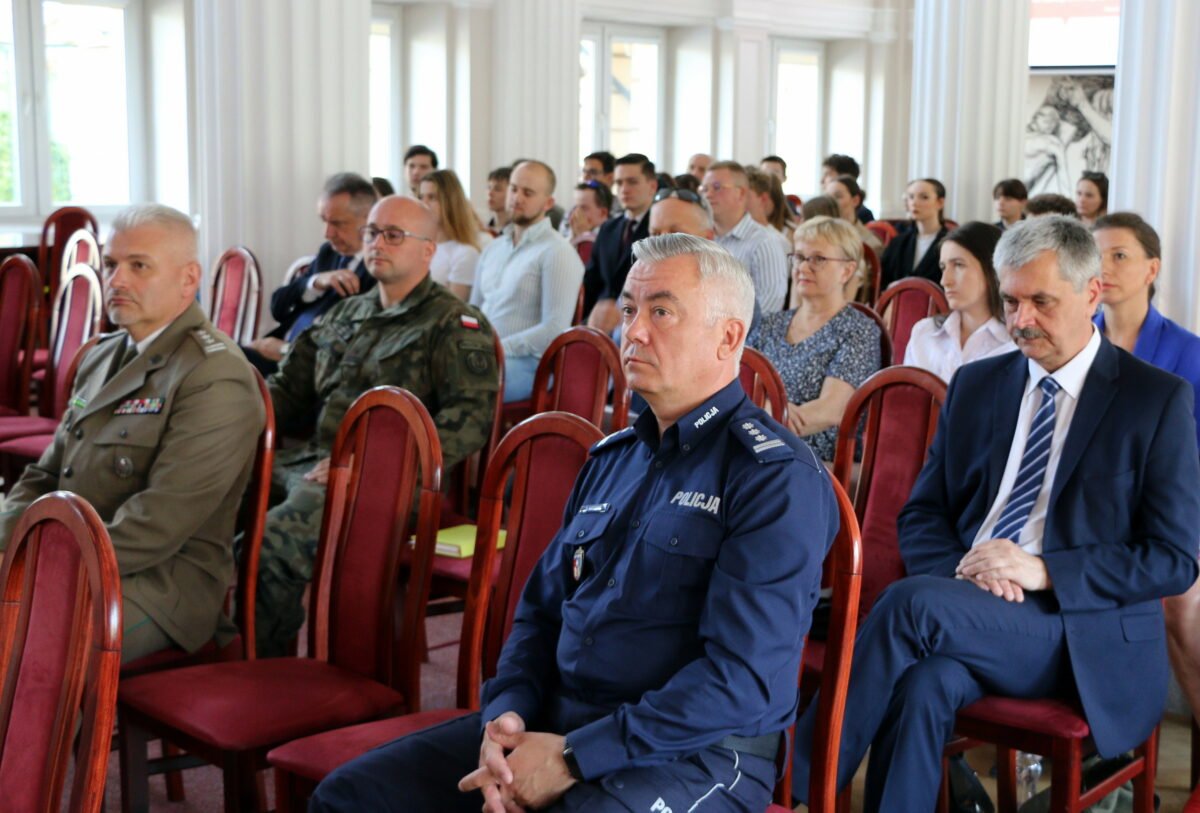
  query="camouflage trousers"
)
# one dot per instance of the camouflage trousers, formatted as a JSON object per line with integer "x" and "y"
{"x": 289, "y": 549}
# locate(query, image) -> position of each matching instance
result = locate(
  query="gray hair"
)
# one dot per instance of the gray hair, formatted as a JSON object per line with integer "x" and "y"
{"x": 1069, "y": 239}
{"x": 361, "y": 191}
{"x": 156, "y": 214}
{"x": 727, "y": 286}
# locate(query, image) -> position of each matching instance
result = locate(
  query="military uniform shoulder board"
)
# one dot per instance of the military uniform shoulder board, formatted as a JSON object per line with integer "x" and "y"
{"x": 762, "y": 442}
{"x": 208, "y": 342}
{"x": 615, "y": 439}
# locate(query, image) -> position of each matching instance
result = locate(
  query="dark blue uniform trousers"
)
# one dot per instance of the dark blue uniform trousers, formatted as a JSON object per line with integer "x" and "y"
{"x": 930, "y": 646}
{"x": 419, "y": 774}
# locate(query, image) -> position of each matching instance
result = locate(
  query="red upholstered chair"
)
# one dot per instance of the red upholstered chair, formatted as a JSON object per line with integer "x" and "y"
{"x": 577, "y": 317}
{"x": 882, "y": 229}
{"x": 885, "y": 339}
{"x": 904, "y": 303}
{"x": 762, "y": 383}
{"x": 874, "y": 274}
{"x": 59, "y": 226}
{"x": 360, "y": 666}
{"x": 298, "y": 267}
{"x": 236, "y": 300}
{"x": 60, "y": 649}
{"x": 20, "y": 298}
{"x": 545, "y": 453}
{"x": 843, "y": 573}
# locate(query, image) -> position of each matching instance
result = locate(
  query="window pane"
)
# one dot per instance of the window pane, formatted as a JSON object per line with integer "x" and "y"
{"x": 381, "y": 114}
{"x": 797, "y": 118}
{"x": 587, "y": 97}
{"x": 633, "y": 102}
{"x": 89, "y": 115}
{"x": 10, "y": 176}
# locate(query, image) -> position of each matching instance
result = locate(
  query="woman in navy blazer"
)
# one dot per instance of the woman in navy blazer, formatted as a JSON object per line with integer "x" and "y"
{"x": 925, "y": 201}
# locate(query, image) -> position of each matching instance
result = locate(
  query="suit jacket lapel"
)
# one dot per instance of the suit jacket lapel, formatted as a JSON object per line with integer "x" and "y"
{"x": 1099, "y": 388}
{"x": 1010, "y": 389}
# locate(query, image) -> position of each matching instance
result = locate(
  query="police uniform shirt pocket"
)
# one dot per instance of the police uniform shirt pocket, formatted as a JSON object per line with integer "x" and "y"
{"x": 673, "y": 566}
{"x": 580, "y": 553}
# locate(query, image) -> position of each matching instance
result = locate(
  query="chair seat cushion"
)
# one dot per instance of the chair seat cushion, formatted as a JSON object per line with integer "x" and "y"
{"x": 21, "y": 426}
{"x": 317, "y": 756}
{"x": 29, "y": 447}
{"x": 1052, "y": 718}
{"x": 173, "y": 658}
{"x": 246, "y": 705}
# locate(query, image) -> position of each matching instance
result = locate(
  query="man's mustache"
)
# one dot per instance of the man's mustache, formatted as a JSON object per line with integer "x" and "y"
{"x": 1027, "y": 333}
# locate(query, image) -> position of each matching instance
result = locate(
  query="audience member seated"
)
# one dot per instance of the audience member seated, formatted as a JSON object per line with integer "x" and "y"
{"x": 593, "y": 203}
{"x": 1058, "y": 506}
{"x": 774, "y": 165}
{"x": 653, "y": 656}
{"x": 1050, "y": 203}
{"x": 681, "y": 211}
{"x": 820, "y": 206}
{"x": 409, "y": 332}
{"x": 913, "y": 252}
{"x": 612, "y": 255}
{"x": 383, "y": 187}
{"x": 836, "y": 165}
{"x": 497, "y": 200}
{"x": 698, "y": 165}
{"x": 845, "y": 191}
{"x": 528, "y": 279}
{"x": 159, "y": 438}
{"x": 824, "y": 349}
{"x": 1010, "y": 196}
{"x": 974, "y": 328}
{"x": 1091, "y": 197}
{"x": 768, "y": 207}
{"x": 458, "y": 238}
{"x": 599, "y": 167}
{"x": 337, "y": 270}
{"x": 687, "y": 182}
{"x": 755, "y": 246}
{"x": 419, "y": 161}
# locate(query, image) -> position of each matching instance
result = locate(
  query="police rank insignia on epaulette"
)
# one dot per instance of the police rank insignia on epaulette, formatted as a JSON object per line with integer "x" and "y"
{"x": 140, "y": 406}
{"x": 761, "y": 441}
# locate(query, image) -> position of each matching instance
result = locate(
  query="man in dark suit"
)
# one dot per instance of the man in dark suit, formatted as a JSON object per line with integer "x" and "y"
{"x": 1059, "y": 504}
{"x": 336, "y": 271}
{"x": 612, "y": 253}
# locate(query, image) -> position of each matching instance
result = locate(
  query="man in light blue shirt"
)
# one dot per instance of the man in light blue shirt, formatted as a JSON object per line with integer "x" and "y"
{"x": 528, "y": 279}
{"x": 727, "y": 188}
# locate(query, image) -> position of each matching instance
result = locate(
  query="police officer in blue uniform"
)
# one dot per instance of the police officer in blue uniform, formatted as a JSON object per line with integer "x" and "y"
{"x": 653, "y": 657}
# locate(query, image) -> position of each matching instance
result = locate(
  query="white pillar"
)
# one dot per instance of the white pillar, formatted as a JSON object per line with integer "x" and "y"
{"x": 281, "y": 103}
{"x": 744, "y": 89}
{"x": 535, "y": 86}
{"x": 889, "y": 109}
{"x": 1156, "y": 141}
{"x": 970, "y": 75}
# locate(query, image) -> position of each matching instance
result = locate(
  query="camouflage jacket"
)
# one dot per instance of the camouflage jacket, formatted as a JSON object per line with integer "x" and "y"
{"x": 432, "y": 344}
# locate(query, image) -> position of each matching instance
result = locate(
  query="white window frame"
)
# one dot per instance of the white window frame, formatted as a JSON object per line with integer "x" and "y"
{"x": 33, "y": 121}
{"x": 604, "y": 34}
{"x": 393, "y": 16}
{"x": 778, "y": 46}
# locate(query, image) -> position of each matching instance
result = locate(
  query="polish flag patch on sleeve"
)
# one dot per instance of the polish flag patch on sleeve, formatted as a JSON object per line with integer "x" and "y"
{"x": 469, "y": 322}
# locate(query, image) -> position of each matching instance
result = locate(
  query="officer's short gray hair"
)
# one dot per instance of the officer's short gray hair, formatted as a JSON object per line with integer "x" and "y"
{"x": 1069, "y": 239}
{"x": 156, "y": 214}
{"x": 727, "y": 286}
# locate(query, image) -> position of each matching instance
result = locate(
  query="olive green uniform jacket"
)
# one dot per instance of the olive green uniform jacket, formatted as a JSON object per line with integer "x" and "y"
{"x": 163, "y": 451}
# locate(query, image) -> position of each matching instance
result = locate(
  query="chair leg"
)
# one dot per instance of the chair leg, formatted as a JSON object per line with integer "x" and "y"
{"x": 1143, "y": 783}
{"x": 845, "y": 798}
{"x": 1006, "y": 780}
{"x": 241, "y": 784}
{"x": 1067, "y": 758}
{"x": 135, "y": 782}
{"x": 174, "y": 779}
{"x": 943, "y": 802}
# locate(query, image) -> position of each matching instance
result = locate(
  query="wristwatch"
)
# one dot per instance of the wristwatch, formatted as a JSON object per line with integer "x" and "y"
{"x": 568, "y": 754}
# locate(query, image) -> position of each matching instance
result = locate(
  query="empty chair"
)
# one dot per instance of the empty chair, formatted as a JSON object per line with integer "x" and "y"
{"x": 236, "y": 301}
{"x": 56, "y": 231}
{"x": 20, "y": 296}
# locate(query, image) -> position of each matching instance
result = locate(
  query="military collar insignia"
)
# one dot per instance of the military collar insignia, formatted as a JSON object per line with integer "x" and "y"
{"x": 140, "y": 406}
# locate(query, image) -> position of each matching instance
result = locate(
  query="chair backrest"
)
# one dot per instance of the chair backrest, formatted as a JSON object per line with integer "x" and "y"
{"x": 20, "y": 298}
{"x": 81, "y": 247}
{"x": 59, "y": 226}
{"x": 577, "y": 316}
{"x": 575, "y": 373}
{"x": 874, "y": 274}
{"x": 885, "y": 339}
{"x": 77, "y": 314}
{"x": 236, "y": 300}
{"x": 904, "y": 303}
{"x": 386, "y": 450}
{"x": 60, "y": 652}
{"x": 544, "y": 455}
{"x": 762, "y": 383}
{"x": 901, "y": 405}
{"x": 258, "y": 490}
{"x": 298, "y": 267}
{"x": 883, "y": 230}
{"x": 843, "y": 573}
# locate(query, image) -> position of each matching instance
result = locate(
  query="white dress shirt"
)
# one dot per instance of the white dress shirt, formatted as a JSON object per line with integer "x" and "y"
{"x": 1070, "y": 378}
{"x": 940, "y": 350}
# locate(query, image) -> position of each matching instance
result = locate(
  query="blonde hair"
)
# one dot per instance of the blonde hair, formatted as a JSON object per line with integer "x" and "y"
{"x": 458, "y": 221}
{"x": 838, "y": 233}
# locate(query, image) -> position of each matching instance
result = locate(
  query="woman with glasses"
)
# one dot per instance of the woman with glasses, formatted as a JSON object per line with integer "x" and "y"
{"x": 913, "y": 251}
{"x": 823, "y": 349}
{"x": 974, "y": 328}
{"x": 1091, "y": 197}
{"x": 458, "y": 234}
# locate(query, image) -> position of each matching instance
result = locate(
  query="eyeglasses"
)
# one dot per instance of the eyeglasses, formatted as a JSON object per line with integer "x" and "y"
{"x": 683, "y": 194}
{"x": 391, "y": 236}
{"x": 716, "y": 187}
{"x": 815, "y": 261}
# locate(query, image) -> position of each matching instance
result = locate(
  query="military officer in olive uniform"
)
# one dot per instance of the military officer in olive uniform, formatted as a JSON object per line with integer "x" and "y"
{"x": 159, "y": 437}
{"x": 408, "y": 332}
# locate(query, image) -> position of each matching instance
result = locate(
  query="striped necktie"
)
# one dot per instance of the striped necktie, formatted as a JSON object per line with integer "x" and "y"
{"x": 1033, "y": 467}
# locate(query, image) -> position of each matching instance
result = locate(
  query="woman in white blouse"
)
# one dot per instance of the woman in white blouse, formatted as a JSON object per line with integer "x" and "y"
{"x": 458, "y": 242}
{"x": 974, "y": 328}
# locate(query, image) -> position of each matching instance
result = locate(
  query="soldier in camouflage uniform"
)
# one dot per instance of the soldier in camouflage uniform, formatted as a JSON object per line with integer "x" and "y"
{"x": 408, "y": 332}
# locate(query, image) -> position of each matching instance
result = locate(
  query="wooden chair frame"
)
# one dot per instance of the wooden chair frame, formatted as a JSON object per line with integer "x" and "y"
{"x": 875, "y": 273}
{"x": 937, "y": 305}
{"x": 30, "y": 315}
{"x": 49, "y": 259}
{"x": 249, "y": 300}
{"x": 547, "y": 395}
{"x": 763, "y": 384}
{"x": 885, "y": 337}
{"x": 58, "y": 324}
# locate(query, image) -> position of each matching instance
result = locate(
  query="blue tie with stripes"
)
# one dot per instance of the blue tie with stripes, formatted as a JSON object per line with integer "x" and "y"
{"x": 1033, "y": 467}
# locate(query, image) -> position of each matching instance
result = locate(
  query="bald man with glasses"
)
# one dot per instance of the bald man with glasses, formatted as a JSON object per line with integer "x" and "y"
{"x": 407, "y": 332}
